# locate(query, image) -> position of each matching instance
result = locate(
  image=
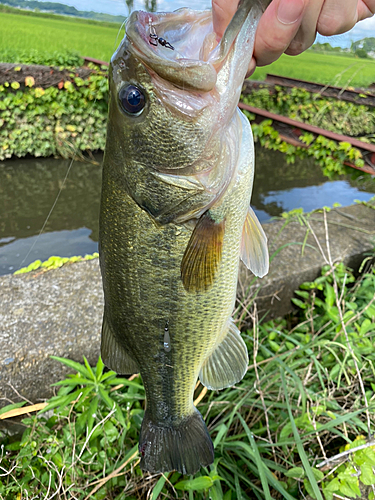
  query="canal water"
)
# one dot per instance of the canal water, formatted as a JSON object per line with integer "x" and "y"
{"x": 29, "y": 190}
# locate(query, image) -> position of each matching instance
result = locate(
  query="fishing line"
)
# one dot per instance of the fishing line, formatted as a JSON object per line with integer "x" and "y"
{"x": 118, "y": 34}
{"x": 64, "y": 181}
{"x": 50, "y": 212}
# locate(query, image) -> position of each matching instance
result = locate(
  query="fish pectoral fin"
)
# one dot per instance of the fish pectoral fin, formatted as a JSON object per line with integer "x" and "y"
{"x": 203, "y": 254}
{"x": 254, "y": 250}
{"x": 228, "y": 363}
{"x": 114, "y": 356}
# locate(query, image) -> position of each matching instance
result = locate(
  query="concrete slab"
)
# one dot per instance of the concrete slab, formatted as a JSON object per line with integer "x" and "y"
{"x": 59, "y": 312}
{"x": 351, "y": 236}
{"x": 42, "y": 314}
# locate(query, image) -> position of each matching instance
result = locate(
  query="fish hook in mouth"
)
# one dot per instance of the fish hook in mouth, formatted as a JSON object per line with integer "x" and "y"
{"x": 154, "y": 39}
{"x": 181, "y": 64}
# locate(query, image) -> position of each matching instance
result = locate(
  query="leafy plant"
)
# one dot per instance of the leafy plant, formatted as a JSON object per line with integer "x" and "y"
{"x": 91, "y": 431}
{"x": 53, "y": 121}
{"x": 54, "y": 263}
{"x": 338, "y": 116}
{"x": 329, "y": 154}
{"x": 293, "y": 426}
{"x": 331, "y": 114}
{"x": 66, "y": 58}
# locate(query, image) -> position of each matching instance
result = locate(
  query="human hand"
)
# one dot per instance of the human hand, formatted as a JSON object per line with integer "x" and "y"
{"x": 290, "y": 26}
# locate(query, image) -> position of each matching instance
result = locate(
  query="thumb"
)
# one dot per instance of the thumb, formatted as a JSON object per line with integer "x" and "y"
{"x": 222, "y": 13}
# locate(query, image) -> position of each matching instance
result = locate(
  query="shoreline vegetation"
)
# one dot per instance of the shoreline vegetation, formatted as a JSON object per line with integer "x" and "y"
{"x": 299, "y": 425}
{"x": 69, "y": 118}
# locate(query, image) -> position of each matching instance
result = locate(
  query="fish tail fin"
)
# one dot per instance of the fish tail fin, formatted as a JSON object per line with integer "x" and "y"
{"x": 185, "y": 447}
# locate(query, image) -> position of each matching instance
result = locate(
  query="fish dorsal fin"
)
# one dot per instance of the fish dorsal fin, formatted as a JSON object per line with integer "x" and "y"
{"x": 113, "y": 354}
{"x": 254, "y": 250}
{"x": 203, "y": 254}
{"x": 228, "y": 363}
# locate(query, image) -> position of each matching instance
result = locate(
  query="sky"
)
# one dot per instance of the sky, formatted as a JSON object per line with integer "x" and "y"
{"x": 363, "y": 29}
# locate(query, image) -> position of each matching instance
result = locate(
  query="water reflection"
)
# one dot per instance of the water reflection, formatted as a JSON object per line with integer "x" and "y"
{"x": 28, "y": 190}
{"x": 279, "y": 187}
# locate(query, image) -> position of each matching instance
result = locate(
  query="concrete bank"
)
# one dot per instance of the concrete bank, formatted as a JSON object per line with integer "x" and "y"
{"x": 59, "y": 312}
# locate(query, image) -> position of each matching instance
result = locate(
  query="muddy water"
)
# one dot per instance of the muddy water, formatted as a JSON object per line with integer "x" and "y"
{"x": 29, "y": 187}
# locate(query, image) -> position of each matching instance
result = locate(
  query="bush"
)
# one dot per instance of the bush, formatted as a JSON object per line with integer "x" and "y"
{"x": 54, "y": 121}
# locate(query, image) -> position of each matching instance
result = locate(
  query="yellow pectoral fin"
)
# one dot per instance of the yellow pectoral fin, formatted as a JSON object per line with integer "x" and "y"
{"x": 254, "y": 251}
{"x": 203, "y": 254}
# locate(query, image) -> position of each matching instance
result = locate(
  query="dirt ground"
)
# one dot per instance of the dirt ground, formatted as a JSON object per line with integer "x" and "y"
{"x": 43, "y": 76}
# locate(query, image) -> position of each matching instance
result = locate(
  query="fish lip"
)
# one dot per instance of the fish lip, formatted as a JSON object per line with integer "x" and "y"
{"x": 136, "y": 29}
{"x": 189, "y": 74}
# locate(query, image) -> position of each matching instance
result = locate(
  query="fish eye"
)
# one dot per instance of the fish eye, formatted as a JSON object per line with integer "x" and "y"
{"x": 132, "y": 99}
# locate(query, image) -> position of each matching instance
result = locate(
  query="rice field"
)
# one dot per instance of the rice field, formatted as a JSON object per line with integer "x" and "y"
{"x": 58, "y": 34}
{"x": 55, "y": 33}
{"x": 332, "y": 69}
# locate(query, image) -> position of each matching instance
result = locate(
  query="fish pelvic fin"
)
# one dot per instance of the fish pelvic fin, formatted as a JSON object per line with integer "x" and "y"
{"x": 254, "y": 250}
{"x": 228, "y": 363}
{"x": 184, "y": 448}
{"x": 203, "y": 254}
{"x": 113, "y": 354}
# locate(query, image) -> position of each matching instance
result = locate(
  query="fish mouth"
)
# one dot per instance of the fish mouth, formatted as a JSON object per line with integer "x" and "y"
{"x": 176, "y": 46}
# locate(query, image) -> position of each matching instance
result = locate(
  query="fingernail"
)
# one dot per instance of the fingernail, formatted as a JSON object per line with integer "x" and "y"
{"x": 289, "y": 11}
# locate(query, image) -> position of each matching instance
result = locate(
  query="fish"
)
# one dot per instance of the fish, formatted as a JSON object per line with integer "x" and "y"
{"x": 175, "y": 219}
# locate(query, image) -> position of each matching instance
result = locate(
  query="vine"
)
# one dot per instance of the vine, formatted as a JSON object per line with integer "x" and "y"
{"x": 57, "y": 121}
{"x": 71, "y": 118}
{"x": 330, "y": 155}
{"x": 331, "y": 114}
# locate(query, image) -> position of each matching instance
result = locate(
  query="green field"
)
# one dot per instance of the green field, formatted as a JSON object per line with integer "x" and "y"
{"x": 330, "y": 69}
{"x": 58, "y": 34}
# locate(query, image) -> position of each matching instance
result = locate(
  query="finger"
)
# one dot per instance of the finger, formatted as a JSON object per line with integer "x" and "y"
{"x": 307, "y": 31}
{"x": 222, "y": 13}
{"x": 252, "y": 67}
{"x": 365, "y": 9}
{"x": 277, "y": 28}
{"x": 337, "y": 16}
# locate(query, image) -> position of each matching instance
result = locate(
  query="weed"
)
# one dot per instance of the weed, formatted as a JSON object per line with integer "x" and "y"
{"x": 299, "y": 423}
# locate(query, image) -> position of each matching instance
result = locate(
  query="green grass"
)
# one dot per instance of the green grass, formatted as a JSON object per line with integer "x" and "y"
{"x": 58, "y": 34}
{"x": 95, "y": 39}
{"x": 303, "y": 399}
{"x": 330, "y": 69}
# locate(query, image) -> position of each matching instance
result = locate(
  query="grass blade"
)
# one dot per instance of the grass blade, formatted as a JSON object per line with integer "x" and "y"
{"x": 158, "y": 487}
{"x": 301, "y": 451}
{"x": 78, "y": 367}
{"x": 258, "y": 459}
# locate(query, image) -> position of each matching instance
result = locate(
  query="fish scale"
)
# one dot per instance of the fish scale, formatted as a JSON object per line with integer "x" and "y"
{"x": 170, "y": 244}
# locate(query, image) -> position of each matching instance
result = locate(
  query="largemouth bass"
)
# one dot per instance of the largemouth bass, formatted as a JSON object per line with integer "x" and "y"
{"x": 175, "y": 220}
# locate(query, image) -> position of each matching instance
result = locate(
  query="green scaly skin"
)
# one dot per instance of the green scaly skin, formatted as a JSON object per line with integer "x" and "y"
{"x": 145, "y": 227}
{"x": 143, "y": 290}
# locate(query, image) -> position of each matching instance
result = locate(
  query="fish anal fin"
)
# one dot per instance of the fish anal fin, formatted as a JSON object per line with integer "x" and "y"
{"x": 228, "y": 363}
{"x": 254, "y": 250}
{"x": 203, "y": 254}
{"x": 113, "y": 354}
